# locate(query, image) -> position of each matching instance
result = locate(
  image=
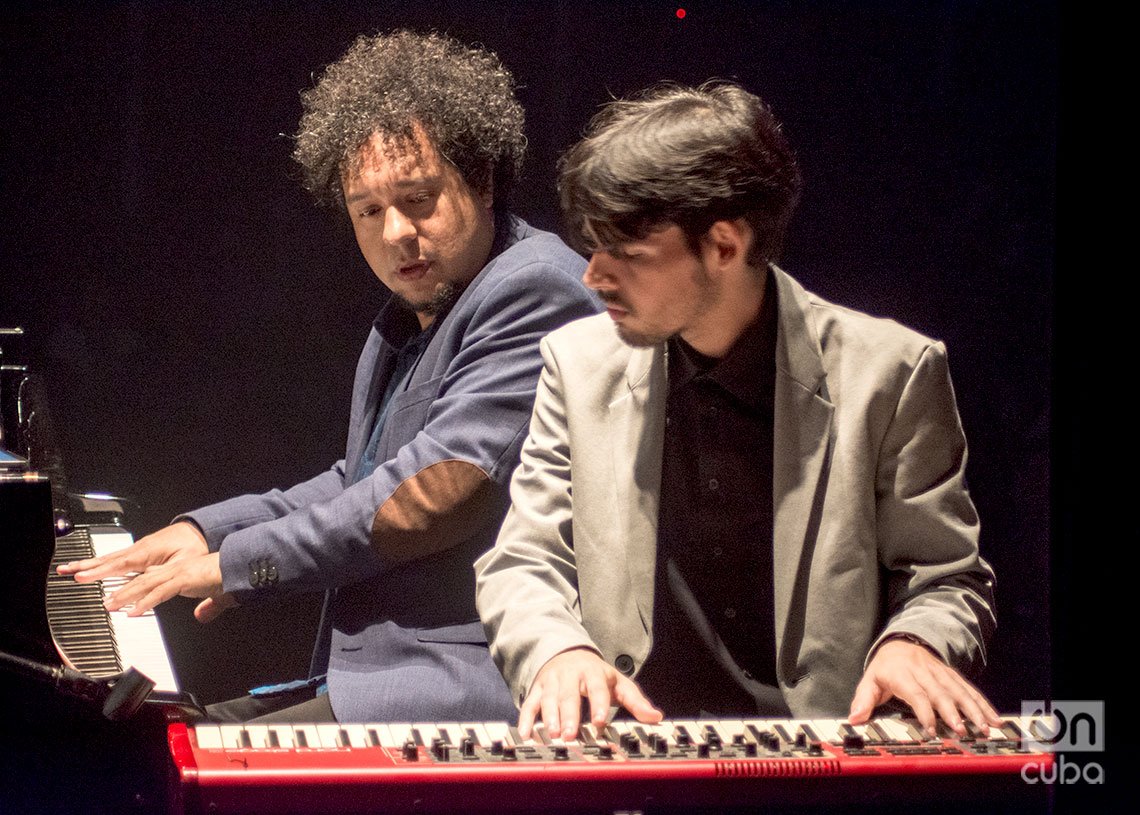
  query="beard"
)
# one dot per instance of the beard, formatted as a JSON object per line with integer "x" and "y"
{"x": 441, "y": 300}
{"x": 639, "y": 339}
{"x": 631, "y": 337}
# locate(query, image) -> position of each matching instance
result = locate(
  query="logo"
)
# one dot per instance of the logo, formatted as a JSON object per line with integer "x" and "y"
{"x": 1064, "y": 726}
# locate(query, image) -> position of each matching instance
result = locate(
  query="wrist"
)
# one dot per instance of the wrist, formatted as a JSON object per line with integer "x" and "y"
{"x": 913, "y": 639}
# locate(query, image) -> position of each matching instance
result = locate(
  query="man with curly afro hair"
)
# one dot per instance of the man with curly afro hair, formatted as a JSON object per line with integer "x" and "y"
{"x": 420, "y": 139}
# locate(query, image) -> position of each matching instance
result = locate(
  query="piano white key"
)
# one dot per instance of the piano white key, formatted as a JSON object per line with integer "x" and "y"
{"x": 357, "y": 735}
{"x": 139, "y": 639}
{"x": 499, "y": 731}
{"x": 258, "y": 736}
{"x": 397, "y": 735}
{"x": 377, "y": 735}
{"x": 453, "y": 730}
{"x": 665, "y": 730}
{"x": 695, "y": 729}
{"x": 284, "y": 733}
{"x": 309, "y": 733}
{"x": 994, "y": 733}
{"x": 481, "y": 736}
{"x": 231, "y": 736}
{"x": 897, "y": 729}
{"x": 1039, "y": 728}
{"x": 728, "y": 729}
{"x": 587, "y": 731}
{"x": 865, "y": 730}
{"x": 209, "y": 736}
{"x": 622, "y": 727}
{"x": 427, "y": 732}
{"x": 329, "y": 734}
{"x": 538, "y": 734}
{"x": 796, "y": 726}
{"x": 764, "y": 726}
{"x": 827, "y": 730}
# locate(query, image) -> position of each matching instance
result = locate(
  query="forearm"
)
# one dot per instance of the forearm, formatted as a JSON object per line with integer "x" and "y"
{"x": 938, "y": 587}
{"x": 526, "y": 587}
{"x": 217, "y": 521}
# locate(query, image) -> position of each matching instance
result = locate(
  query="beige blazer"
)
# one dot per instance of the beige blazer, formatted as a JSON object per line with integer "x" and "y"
{"x": 874, "y": 531}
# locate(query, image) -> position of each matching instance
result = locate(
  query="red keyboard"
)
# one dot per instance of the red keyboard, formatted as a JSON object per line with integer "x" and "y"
{"x": 448, "y": 767}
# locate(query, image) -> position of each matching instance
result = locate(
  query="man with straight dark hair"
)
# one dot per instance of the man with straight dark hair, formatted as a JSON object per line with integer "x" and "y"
{"x": 736, "y": 498}
{"x": 420, "y": 138}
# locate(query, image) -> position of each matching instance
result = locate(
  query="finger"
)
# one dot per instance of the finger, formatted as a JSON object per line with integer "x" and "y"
{"x": 96, "y": 568}
{"x": 569, "y": 712}
{"x": 527, "y": 712}
{"x": 972, "y": 704}
{"x": 598, "y": 696}
{"x": 159, "y": 594}
{"x": 73, "y": 566}
{"x": 129, "y": 592}
{"x": 923, "y": 711}
{"x": 993, "y": 718}
{"x": 637, "y": 703}
{"x": 137, "y": 589}
{"x": 213, "y": 607}
{"x": 869, "y": 694}
{"x": 550, "y": 700}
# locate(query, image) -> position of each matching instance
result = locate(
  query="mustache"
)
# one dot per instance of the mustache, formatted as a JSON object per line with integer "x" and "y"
{"x": 613, "y": 298}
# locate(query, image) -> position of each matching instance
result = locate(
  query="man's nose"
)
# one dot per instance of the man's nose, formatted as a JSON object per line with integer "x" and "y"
{"x": 598, "y": 272}
{"x": 397, "y": 227}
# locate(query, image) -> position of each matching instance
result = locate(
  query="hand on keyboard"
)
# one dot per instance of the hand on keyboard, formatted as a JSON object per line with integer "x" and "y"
{"x": 171, "y": 543}
{"x": 913, "y": 674}
{"x": 565, "y": 679}
{"x": 199, "y": 577}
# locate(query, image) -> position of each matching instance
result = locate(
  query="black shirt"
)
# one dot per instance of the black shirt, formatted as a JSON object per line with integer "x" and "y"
{"x": 714, "y": 648}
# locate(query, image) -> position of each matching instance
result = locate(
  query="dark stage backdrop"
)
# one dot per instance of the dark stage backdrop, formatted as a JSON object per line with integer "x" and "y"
{"x": 199, "y": 318}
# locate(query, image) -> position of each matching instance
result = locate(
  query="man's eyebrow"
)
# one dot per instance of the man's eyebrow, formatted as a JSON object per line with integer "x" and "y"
{"x": 403, "y": 183}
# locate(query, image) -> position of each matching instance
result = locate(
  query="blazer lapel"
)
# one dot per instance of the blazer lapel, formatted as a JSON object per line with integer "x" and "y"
{"x": 801, "y": 454}
{"x": 637, "y": 426}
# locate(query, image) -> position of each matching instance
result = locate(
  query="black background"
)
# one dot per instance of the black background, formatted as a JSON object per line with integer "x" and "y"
{"x": 198, "y": 318}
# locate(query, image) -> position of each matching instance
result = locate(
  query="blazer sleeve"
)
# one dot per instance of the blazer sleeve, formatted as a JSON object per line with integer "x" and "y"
{"x": 449, "y": 478}
{"x": 217, "y": 521}
{"x": 527, "y": 585}
{"x": 938, "y": 587}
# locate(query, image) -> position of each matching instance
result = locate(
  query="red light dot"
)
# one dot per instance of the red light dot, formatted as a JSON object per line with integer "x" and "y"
{"x": 680, "y": 14}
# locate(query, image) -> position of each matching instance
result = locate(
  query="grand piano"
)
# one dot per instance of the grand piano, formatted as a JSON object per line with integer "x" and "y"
{"x": 59, "y": 752}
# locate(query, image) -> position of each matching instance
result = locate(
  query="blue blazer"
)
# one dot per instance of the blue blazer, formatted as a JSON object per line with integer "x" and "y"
{"x": 406, "y": 643}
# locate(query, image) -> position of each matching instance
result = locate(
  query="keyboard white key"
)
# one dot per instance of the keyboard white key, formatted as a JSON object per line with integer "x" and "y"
{"x": 139, "y": 639}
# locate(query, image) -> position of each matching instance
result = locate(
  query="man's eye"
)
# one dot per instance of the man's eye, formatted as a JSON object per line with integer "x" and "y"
{"x": 368, "y": 212}
{"x": 420, "y": 198}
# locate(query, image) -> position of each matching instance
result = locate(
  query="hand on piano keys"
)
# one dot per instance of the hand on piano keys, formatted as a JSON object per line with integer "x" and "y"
{"x": 175, "y": 542}
{"x": 913, "y": 673}
{"x": 173, "y": 561}
{"x": 560, "y": 685}
{"x": 88, "y": 637}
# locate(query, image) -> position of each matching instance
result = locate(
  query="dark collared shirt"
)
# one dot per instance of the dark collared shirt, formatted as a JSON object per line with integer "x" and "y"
{"x": 714, "y": 631}
{"x": 401, "y": 330}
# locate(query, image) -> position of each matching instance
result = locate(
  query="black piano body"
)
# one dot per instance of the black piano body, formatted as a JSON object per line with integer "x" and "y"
{"x": 58, "y": 753}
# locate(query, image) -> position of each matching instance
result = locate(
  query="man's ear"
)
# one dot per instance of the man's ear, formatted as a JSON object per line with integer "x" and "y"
{"x": 485, "y": 191}
{"x": 726, "y": 243}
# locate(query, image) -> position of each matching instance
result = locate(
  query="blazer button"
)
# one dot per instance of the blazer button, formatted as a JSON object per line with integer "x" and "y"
{"x": 253, "y": 574}
{"x": 271, "y": 575}
{"x": 624, "y": 663}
